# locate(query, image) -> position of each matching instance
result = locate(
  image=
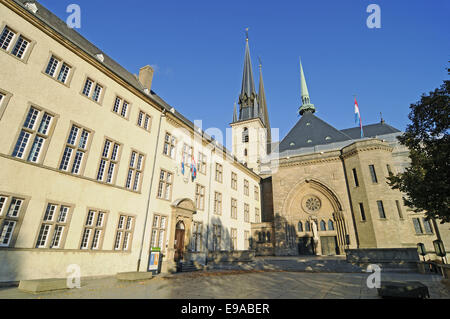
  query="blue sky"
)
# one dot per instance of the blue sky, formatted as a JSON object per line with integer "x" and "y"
{"x": 197, "y": 49}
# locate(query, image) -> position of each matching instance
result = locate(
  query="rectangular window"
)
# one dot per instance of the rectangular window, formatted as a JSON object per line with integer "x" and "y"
{"x": 58, "y": 69}
{"x": 217, "y": 203}
{"x": 109, "y": 162}
{"x": 233, "y": 239}
{"x": 355, "y": 177}
{"x": 124, "y": 233}
{"x": 361, "y": 210}
{"x": 217, "y": 236}
{"x": 200, "y": 197}
{"x": 389, "y": 170}
{"x": 246, "y": 240}
{"x": 6, "y": 38}
{"x": 373, "y": 174}
{"x": 219, "y": 171}
{"x": 381, "y": 209}
{"x": 144, "y": 121}
{"x": 121, "y": 107}
{"x": 427, "y": 226}
{"x": 159, "y": 227}
{"x": 34, "y": 135}
{"x": 202, "y": 163}
{"x": 94, "y": 228}
{"x": 399, "y": 209}
{"x": 134, "y": 176}
{"x": 165, "y": 185}
{"x": 257, "y": 215}
{"x": 11, "y": 215}
{"x": 197, "y": 237}
{"x": 55, "y": 223}
{"x": 234, "y": 208}
{"x": 76, "y": 149}
{"x": 417, "y": 226}
{"x": 234, "y": 181}
{"x": 169, "y": 145}
{"x": 92, "y": 90}
{"x": 186, "y": 156}
{"x": 246, "y": 188}
{"x": 14, "y": 43}
{"x": 246, "y": 213}
{"x": 20, "y": 47}
{"x": 256, "y": 193}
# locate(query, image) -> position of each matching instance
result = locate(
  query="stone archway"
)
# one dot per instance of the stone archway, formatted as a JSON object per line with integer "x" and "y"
{"x": 314, "y": 202}
{"x": 182, "y": 213}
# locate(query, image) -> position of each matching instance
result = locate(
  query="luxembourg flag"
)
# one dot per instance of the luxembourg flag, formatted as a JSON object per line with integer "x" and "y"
{"x": 193, "y": 168}
{"x": 358, "y": 116}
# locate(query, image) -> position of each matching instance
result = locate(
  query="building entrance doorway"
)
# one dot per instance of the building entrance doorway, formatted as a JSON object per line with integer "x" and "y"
{"x": 329, "y": 245}
{"x": 179, "y": 241}
{"x": 305, "y": 246}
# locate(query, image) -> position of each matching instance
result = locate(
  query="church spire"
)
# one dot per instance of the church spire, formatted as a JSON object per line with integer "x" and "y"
{"x": 235, "y": 113}
{"x": 248, "y": 94}
{"x": 264, "y": 115}
{"x": 306, "y": 104}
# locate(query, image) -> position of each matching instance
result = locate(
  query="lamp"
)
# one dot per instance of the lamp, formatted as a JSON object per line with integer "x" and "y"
{"x": 439, "y": 249}
{"x": 421, "y": 250}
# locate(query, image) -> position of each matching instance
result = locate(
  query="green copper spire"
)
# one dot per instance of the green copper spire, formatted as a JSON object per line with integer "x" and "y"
{"x": 306, "y": 104}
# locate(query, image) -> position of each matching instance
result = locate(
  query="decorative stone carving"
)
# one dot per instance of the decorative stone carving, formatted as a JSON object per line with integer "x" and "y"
{"x": 311, "y": 204}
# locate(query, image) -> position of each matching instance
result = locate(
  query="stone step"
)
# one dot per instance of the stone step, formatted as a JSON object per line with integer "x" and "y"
{"x": 43, "y": 285}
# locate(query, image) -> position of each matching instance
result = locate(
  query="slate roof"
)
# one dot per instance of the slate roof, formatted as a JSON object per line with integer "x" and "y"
{"x": 311, "y": 131}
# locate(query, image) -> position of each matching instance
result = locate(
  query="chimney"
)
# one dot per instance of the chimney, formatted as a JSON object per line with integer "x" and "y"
{"x": 146, "y": 77}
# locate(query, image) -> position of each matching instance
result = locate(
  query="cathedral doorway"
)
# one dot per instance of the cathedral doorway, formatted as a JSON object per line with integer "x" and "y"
{"x": 329, "y": 245}
{"x": 305, "y": 246}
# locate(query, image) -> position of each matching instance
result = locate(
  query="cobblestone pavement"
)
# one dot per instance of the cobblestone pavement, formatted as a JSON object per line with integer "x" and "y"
{"x": 236, "y": 285}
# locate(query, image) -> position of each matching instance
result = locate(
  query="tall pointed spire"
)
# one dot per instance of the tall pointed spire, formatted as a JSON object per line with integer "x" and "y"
{"x": 248, "y": 94}
{"x": 235, "y": 113}
{"x": 264, "y": 115}
{"x": 306, "y": 104}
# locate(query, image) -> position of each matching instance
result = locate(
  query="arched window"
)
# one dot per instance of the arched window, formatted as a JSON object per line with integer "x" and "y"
{"x": 245, "y": 152}
{"x": 323, "y": 226}
{"x": 245, "y": 135}
{"x": 264, "y": 239}
{"x": 300, "y": 227}
{"x": 330, "y": 225}
{"x": 259, "y": 237}
{"x": 268, "y": 237}
{"x": 307, "y": 226}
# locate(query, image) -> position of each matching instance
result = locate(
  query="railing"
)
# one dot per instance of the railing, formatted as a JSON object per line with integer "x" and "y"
{"x": 432, "y": 267}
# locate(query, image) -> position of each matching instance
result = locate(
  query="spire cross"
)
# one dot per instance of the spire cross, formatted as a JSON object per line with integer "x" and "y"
{"x": 260, "y": 63}
{"x": 246, "y": 34}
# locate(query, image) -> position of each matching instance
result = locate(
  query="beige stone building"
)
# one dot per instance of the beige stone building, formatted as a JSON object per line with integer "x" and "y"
{"x": 92, "y": 162}
{"x": 96, "y": 169}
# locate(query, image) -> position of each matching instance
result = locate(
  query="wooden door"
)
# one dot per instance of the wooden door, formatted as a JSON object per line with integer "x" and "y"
{"x": 329, "y": 245}
{"x": 179, "y": 244}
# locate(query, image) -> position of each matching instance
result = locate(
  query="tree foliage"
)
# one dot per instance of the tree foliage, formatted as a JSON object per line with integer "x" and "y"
{"x": 426, "y": 182}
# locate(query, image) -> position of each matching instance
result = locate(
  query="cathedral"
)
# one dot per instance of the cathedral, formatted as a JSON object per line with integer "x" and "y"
{"x": 324, "y": 190}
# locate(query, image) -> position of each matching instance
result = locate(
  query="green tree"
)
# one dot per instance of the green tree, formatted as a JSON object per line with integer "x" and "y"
{"x": 426, "y": 182}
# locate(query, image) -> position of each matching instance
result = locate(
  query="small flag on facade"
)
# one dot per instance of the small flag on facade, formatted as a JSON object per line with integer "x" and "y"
{"x": 358, "y": 117}
{"x": 193, "y": 169}
{"x": 182, "y": 165}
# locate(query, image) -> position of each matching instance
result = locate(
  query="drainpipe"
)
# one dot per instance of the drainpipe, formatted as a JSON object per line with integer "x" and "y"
{"x": 163, "y": 114}
{"x": 209, "y": 204}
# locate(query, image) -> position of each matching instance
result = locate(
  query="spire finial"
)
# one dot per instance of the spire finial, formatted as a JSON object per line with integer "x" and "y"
{"x": 260, "y": 63}
{"x": 246, "y": 34}
{"x": 306, "y": 104}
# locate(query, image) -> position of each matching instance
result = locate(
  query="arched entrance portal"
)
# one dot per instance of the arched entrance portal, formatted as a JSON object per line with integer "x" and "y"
{"x": 317, "y": 214}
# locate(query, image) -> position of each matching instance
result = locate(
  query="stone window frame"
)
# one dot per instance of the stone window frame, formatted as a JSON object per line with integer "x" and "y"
{"x": 233, "y": 239}
{"x": 161, "y": 192}
{"x": 122, "y": 227}
{"x": 4, "y": 211}
{"x": 300, "y": 228}
{"x": 246, "y": 240}
{"x": 5, "y": 97}
{"x": 425, "y": 223}
{"x": 246, "y": 213}
{"x": 108, "y": 161}
{"x": 119, "y": 112}
{"x": 200, "y": 192}
{"x": 76, "y": 148}
{"x": 246, "y": 187}
{"x": 217, "y": 237}
{"x": 135, "y": 169}
{"x": 219, "y": 173}
{"x": 158, "y": 229}
{"x": 33, "y": 133}
{"x": 399, "y": 210}
{"x": 143, "y": 120}
{"x": 373, "y": 174}
{"x": 234, "y": 181}
{"x": 14, "y": 40}
{"x": 170, "y": 144}
{"x": 381, "y": 210}
{"x": 419, "y": 226}
{"x": 256, "y": 192}
{"x": 94, "y": 227}
{"x": 57, "y": 73}
{"x": 53, "y": 224}
{"x": 218, "y": 203}
{"x": 90, "y": 95}
{"x": 355, "y": 177}
{"x": 257, "y": 215}
{"x": 362, "y": 212}
{"x": 234, "y": 208}
{"x": 202, "y": 162}
{"x": 197, "y": 236}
